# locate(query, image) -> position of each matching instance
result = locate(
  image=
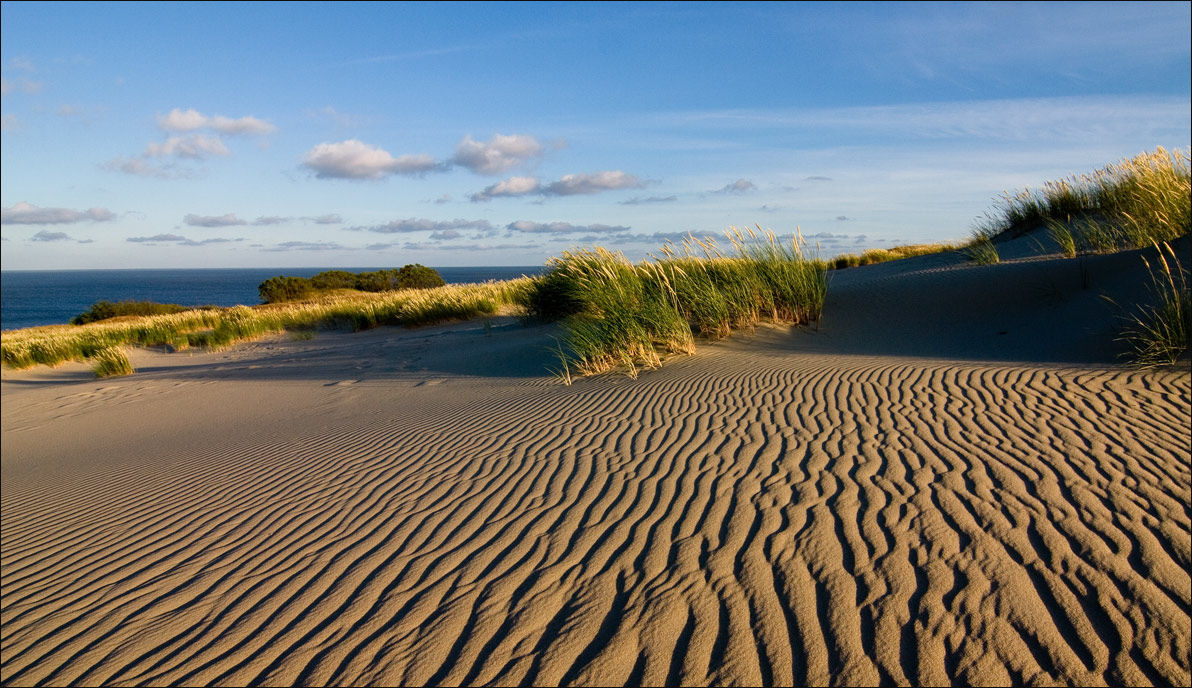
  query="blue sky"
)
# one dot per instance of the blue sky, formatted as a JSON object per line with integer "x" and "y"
{"x": 290, "y": 134}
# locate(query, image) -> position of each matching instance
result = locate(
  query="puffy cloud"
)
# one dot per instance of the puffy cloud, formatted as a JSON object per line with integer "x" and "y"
{"x": 353, "y": 159}
{"x": 638, "y": 200}
{"x": 568, "y": 185}
{"x": 741, "y": 186}
{"x": 528, "y": 227}
{"x": 27, "y": 214}
{"x": 228, "y": 220}
{"x": 421, "y": 224}
{"x": 497, "y": 155}
{"x": 445, "y": 235}
{"x": 44, "y": 235}
{"x": 572, "y": 184}
{"x": 194, "y": 146}
{"x": 514, "y": 186}
{"x": 190, "y": 120}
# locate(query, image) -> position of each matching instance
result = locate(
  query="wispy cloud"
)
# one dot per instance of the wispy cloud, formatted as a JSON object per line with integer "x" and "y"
{"x": 638, "y": 200}
{"x": 354, "y": 159}
{"x": 329, "y": 219}
{"x": 421, "y": 224}
{"x": 306, "y": 246}
{"x": 739, "y": 187}
{"x": 528, "y": 227}
{"x": 28, "y": 214}
{"x": 178, "y": 240}
{"x": 226, "y": 220}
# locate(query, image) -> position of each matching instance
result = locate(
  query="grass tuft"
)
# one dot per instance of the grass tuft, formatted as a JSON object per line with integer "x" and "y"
{"x": 111, "y": 362}
{"x": 1158, "y": 334}
{"x": 617, "y": 314}
{"x": 1130, "y": 204}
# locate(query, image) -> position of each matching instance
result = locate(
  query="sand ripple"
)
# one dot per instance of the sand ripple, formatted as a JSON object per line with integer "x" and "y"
{"x": 728, "y": 520}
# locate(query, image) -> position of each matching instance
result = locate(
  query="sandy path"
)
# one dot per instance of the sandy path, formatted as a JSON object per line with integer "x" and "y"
{"x": 371, "y": 509}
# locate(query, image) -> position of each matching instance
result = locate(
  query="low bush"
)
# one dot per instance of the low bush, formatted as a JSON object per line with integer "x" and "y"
{"x": 104, "y": 310}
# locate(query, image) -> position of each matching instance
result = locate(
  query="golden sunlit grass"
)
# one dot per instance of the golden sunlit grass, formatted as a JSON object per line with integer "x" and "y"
{"x": 884, "y": 255}
{"x": 1129, "y": 204}
{"x": 619, "y": 314}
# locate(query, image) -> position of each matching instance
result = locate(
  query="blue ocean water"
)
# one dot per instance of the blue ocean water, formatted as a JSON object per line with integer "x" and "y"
{"x": 49, "y": 297}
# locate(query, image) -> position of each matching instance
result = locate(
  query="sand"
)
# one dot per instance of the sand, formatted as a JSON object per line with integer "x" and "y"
{"x": 950, "y": 481}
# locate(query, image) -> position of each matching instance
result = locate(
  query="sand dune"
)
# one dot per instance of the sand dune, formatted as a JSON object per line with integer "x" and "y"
{"x": 920, "y": 492}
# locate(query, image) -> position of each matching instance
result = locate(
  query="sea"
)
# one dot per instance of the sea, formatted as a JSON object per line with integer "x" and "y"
{"x": 29, "y": 298}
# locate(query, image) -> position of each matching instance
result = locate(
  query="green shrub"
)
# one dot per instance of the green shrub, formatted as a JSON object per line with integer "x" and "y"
{"x": 418, "y": 277}
{"x": 103, "y": 310}
{"x": 280, "y": 289}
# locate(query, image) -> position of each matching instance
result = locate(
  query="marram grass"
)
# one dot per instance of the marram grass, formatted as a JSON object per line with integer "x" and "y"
{"x": 1158, "y": 334}
{"x": 57, "y": 344}
{"x": 111, "y": 362}
{"x": 619, "y": 314}
{"x": 1129, "y": 204}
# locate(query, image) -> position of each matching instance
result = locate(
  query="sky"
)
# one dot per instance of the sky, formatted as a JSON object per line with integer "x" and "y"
{"x": 176, "y": 135}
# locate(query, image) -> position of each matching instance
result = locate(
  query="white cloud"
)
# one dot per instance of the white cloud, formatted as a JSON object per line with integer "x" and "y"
{"x": 528, "y": 227}
{"x": 329, "y": 219}
{"x": 414, "y": 224}
{"x": 568, "y": 185}
{"x": 498, "y": 155}
{"x": 27, "y": 214}
{"x": 572, "y": 184}
{"x": 514, "y": 186}
{"x": 194, "y": 146}
{"x": 228, "y": 220}
{"x": 445, "y": 235}
{"x": 190, "y": 120}
{"x": 353, "y": 159}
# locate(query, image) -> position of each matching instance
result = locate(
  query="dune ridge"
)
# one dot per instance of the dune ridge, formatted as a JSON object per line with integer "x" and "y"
{"x": 765, "y": 513}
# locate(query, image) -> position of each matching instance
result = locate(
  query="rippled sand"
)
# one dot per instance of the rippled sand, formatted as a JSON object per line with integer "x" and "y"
{"x": 838, "y": 506}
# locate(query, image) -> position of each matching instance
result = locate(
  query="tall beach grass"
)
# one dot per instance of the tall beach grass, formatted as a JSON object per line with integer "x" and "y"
{"x": 1129, "y": 204}
{"x": 619, "y": 314}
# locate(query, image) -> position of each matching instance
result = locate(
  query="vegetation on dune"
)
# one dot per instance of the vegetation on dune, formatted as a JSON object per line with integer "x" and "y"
{"x": 1130, "y": 204}
{"x": 620, "y": 314}
{"x": 282, "y": 289}
{"x": 1158, "y": 334}
{"x": 884, "y": 255}
{"x": 222, "y": 327}
{"x": 111, "y": 361}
